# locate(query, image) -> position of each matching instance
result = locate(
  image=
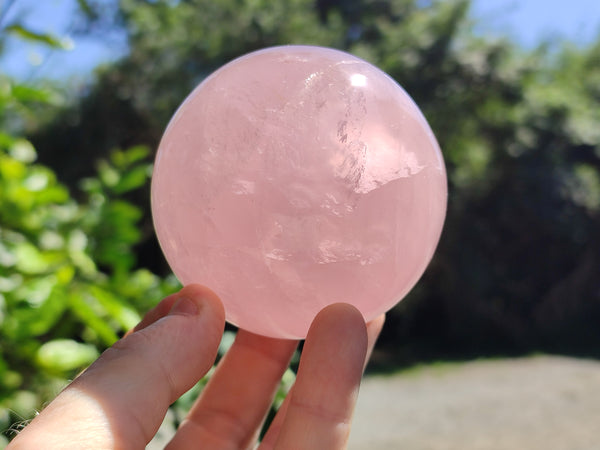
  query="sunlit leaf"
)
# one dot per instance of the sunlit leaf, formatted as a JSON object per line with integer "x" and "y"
{"x": 30, "y": 260}
{"x": 90, "y": 316}
{"x": 226, "y": 342}
{"x": 10, "y": 283}
{"x": 116, "y": 307}
{"x": 11, "y": 379}
{"x": 122, "y": 159}
{"x": 65, "y": 274}
{"x": 25, "y": 93}
{"x": 132, "y": 179}
{"x": 22, "y": 150}
{"x": 34, "y": 291}
{"x": 51, "y": 240}
{"x": 23, "y": 403}
{"x": 36, "y": 181}
{"x": 6, "y": 140}
{"x": 12, "y": 169}
{"x": 77, "y": 246}
{"x": 7, "y": 256}
{"x": 62, "y": 355}
{"x": 286, "y": 383}
{"x": 140, "y": 281}
{"x": 38, "y": 320}
{"x": 83, "y": 262}
{"x": 108, "y": 174}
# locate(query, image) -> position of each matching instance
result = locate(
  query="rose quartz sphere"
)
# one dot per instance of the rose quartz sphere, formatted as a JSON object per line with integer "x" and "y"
{"x": 295, "y": 177}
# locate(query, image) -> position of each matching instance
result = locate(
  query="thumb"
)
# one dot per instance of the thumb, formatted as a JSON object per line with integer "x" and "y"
{"x": 121, "y": 399}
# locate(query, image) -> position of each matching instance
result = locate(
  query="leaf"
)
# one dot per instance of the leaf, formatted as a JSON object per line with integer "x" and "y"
{"x": 11, "y": 379}
{"x": 108, "y": 174}
{"x": 87, "y": 9}
{"x": 22, "y": 150}
{"x": 117, "y": 308}
{"x": 61, "y": 355}
{"x": 140, "y": 281}
{"x": 34, "y": 291}
{"x": 226, "y": 342}
{"x": 24, "y": 93}
{"x": 133, "y": 179}
{"x": 22, "y": 403}
{"x": 88, "y": 315}
{"x": 7, "y": 256}
{"x": 124, "y": 159}
{"x": 6, "y": 140}
{"x": 29, "y": 35}
{"x": 286, "y": 383}
{"x": 36, "y": 181}
{"x": 11, "y": 169}
{"x": 28, "y": 322}
{"x": 65, "y": 274}
{"x": 77, "y": 246}
{"x": 54, "y": 193}
{"x": 30, "y": 260}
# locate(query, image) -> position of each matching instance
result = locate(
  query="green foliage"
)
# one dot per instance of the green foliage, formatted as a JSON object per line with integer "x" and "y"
{"x": 63, "y": 355}
{"x": 69, "y": 286}
{"x": 69, "y": 283}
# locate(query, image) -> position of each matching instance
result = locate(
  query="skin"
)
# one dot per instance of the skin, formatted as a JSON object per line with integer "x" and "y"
{"x": 120, "y": 401}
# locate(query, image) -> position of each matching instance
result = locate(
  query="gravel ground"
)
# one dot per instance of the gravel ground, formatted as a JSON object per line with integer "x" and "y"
{"x": 544, "y": 402}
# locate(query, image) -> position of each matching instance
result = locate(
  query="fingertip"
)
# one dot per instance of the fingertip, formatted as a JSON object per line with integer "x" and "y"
{"x": 201, "y": 295}
{"x": 374, "y": 328}
{"x": 326, "y": 388}
{"x": 377, "y": 322}
{"x": 340, "y": 321}
{"x": 151, "y": 316}
{"x": 341, "y": 309}
{"x": 204, "y": 298}
{"x": 338, "y": 335}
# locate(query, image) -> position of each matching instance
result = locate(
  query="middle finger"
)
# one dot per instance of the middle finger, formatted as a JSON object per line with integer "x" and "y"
{"x": 238, "y": 396}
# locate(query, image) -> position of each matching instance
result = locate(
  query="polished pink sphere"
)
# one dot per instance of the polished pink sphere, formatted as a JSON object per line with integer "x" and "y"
{"x": 295, "y": 177}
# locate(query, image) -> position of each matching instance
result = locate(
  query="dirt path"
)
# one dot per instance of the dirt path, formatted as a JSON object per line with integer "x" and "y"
{"x": 537, "y": 403}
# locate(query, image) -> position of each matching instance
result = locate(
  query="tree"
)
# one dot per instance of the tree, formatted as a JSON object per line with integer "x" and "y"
{"x": 517, "y": 129}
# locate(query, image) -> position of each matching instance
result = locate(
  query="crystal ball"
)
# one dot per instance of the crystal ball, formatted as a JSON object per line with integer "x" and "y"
{"x": 295, "y": 177}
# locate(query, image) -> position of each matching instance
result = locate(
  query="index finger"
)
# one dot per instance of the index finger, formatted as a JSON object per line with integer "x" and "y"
{"x": 120, "y": 401}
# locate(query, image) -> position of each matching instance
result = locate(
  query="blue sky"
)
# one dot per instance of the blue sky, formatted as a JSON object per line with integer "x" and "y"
{"x": 530, "y": 21}
{"x": 527, "y": 21}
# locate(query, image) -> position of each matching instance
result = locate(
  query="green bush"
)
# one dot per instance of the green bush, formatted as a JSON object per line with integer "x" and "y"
{"x": 69, "y": 282}
{"x": 69, "y": 285}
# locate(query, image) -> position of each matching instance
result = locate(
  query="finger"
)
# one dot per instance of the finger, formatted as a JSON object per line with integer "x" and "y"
{"x": 373, "y": 330}
{"x": 270, "y": 438}
{"x": 322, "y": 401}
{"x": 158, "y": 312}
{"x": 120, "y": 401}
{"x": 238, "y": 396}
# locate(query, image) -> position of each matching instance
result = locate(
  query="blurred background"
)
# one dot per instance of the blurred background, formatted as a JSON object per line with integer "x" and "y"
{"x": 510, "y": 88}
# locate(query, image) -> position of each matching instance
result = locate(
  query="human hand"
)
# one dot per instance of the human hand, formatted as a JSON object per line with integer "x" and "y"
{"x": 120, "y": 401}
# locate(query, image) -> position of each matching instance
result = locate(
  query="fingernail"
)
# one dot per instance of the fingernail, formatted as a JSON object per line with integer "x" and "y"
{"x": 184, "y": 307}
